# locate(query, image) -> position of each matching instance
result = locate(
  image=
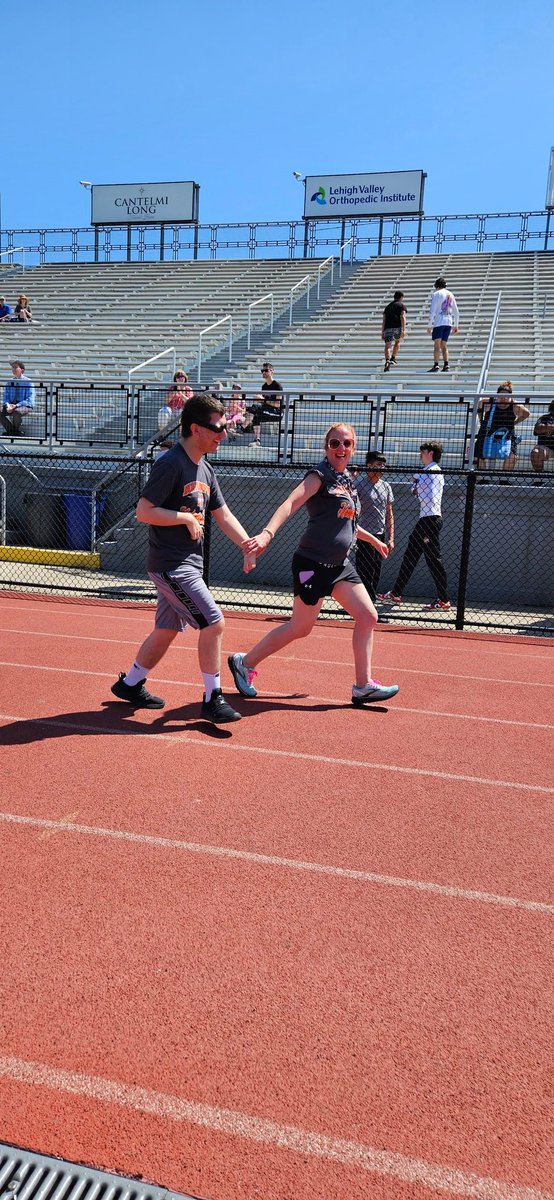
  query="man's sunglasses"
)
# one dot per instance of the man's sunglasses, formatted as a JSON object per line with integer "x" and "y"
{"x": 334, "y": 443}
{"x": 220, "y": 428}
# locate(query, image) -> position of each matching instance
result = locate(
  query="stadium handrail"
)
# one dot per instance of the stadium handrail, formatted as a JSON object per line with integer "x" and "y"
{"x": 349, "y": 242}
{"x": 269, "y": 296}
{"x": 208, "y": 330}
{"x": 15, "y": 250}
{"x": 293, "y": 289}
{"x": 483, "y": 375}
{"x": 147, "y": 361}
{"x": 330, "y": 259}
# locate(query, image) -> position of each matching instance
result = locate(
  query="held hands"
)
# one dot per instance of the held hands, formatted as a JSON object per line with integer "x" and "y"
{"x": 249, "y": 562}
{"x": 256, "y": 545}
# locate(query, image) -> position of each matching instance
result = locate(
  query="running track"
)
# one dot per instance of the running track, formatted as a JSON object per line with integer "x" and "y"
{"x": 309, "y": 956}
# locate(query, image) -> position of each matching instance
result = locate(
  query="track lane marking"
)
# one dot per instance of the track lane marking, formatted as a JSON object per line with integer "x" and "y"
{"x": 317, "y": 662}
{"x": 266, "y": 1132}
{"x": 397, "y": 639}
{"x": 431, "y": 712}
{"x": 301, "y": 756}
{"x": 272, "y": 860}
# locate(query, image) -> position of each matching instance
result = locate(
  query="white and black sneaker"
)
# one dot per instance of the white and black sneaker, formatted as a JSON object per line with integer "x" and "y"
{"x": 372, "y": 693}
{"x": 433, "y": 369}
{"x": 136, "y": 694}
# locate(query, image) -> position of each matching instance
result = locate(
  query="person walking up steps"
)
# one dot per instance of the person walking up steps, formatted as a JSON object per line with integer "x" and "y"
{"x": 444, "y": 319}
{"x": 321, "y": 567}
{"x": 393, "y": 329}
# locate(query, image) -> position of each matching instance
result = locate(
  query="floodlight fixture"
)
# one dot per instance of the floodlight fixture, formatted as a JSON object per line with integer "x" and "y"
{"x": 299, "y": 177}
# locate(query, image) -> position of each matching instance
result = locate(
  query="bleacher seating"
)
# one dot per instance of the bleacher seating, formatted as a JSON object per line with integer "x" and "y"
{"x": 94, "y": 321}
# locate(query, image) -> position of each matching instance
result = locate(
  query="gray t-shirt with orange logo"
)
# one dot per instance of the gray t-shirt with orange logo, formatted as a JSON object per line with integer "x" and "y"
{"x": 333, "y": 516}
{"x": 176, "y": 482}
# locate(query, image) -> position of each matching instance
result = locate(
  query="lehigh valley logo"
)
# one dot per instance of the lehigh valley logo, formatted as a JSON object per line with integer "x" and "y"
{"x": 319, "y": 196}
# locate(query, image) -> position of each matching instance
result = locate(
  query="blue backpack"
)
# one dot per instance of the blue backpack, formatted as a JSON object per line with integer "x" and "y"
{"x": 499, "y": 443}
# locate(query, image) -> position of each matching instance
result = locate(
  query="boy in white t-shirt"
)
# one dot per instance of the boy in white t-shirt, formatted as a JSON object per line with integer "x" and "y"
{"x": 424, "y": 538}
{"x": 444, "y": 319}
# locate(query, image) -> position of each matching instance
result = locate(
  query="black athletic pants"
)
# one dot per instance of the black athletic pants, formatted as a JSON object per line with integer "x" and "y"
{"x": 368, "y": 564}
{"x": 424, "y": 539}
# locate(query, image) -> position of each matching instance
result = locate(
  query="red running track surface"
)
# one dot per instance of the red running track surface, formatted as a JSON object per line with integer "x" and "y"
{"x": 308, "y": 956}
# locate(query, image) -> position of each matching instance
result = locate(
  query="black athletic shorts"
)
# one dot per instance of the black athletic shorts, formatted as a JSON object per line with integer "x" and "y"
{"x": 313, "y": 580}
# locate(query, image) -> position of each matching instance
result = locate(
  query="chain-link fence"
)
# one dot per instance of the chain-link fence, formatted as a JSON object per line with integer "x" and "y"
{"x": 67, "y": 525}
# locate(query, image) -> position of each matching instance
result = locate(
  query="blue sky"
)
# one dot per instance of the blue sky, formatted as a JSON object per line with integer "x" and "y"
{"x": 237, "y": 95}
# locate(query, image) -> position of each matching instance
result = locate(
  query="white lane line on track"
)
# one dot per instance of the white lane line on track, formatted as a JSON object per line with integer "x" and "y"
{"x": 272, "y": 860}
{"x": 398, "y": 639}
{"x": 431, "y": 712}
{"x": 270, "y": 752}
{"x": 261, "y": 1130}
{"x": 302, "y": 662}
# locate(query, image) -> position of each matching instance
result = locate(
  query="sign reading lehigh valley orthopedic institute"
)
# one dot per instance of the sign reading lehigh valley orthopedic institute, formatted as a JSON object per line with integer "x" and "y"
{"x": 142, "y": 203}
{"x": 387, "y": 194}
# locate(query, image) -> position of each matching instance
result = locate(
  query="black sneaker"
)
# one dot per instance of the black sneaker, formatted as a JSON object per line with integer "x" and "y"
{"x": 386, "y": 367}
{"x": 446, "y": 367}
{"x": 136, "y": 694}
{"x": 434, "y": 369}
{"x": 217, "y": 710}
{"x": 392, "y": 360}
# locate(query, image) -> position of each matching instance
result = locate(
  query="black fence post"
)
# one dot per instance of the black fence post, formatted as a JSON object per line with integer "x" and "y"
{"x": 464, "y": 554}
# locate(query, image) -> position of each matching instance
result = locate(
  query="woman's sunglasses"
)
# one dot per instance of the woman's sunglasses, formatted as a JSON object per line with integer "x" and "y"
{"x": 334, "y": 443}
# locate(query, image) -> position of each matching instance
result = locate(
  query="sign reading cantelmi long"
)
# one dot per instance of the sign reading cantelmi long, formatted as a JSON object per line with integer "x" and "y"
{"x": 144, "y": 203}
{"x": 361, "y": 195}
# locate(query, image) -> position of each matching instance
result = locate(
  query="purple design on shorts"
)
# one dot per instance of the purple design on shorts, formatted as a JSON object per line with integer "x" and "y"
{"x": 305, "y": 575}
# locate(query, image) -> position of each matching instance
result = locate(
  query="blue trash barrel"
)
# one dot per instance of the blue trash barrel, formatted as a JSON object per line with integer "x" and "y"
{"x": 78, "y": 513}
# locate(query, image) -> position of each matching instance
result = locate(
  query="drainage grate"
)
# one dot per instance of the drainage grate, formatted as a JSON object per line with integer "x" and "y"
{"x": 25, "y": 1175}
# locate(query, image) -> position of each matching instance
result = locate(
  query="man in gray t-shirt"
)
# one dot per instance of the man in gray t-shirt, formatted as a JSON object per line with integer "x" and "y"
{"x": 181, "y": 489}
{"x": 377, "y": 517}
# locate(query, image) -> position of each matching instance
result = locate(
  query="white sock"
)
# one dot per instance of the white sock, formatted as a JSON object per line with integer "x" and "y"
{"x": 136, "y": 675}
{"x": 211, "y": 683}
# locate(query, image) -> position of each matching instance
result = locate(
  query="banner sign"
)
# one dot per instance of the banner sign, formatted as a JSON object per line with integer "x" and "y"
{"x": 144, "y": 203}
{"x": 387, "y": 194}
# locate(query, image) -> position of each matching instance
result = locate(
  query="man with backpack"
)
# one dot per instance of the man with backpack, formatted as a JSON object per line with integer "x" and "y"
{"x": 444, "y": 319}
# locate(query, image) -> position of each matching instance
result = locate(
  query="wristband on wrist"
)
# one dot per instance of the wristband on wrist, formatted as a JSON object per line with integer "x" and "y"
{"x": 266, "y": 530}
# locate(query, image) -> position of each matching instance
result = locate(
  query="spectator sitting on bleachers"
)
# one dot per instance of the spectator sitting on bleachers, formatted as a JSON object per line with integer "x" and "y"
{"x": 544, "y": 431}
{"x": 269, "y": 409}
{"x": 5, "y": 310}
{"x": 22, "y": 310}
{"x": 499, "y": 416}
{"x": 178, "y": 392}
{"x": 237, "y": 417}
{"x": 18, "y": 399}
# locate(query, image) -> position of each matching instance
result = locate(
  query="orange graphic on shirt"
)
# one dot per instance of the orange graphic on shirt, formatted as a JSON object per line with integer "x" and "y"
{"x": 346, "y": 510}
{"x": 197, "y": 492}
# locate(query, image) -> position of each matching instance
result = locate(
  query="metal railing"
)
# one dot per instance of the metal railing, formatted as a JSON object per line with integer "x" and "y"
{"x": 208, "y": 330}
{"x": 433, "y": 234}
{"x": 331, "y": 260}
{"x": 350, "y": 243}
{"x": 15, "y": 250}
{"x": 254, "y": 304}
{"x": 147, "y": 361}
{"x": 306, "y": 279}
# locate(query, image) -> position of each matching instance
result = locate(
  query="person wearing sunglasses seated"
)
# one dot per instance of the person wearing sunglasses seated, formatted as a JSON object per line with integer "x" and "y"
{"x": 269, "y": 408}
{"x": 321, "y": 567}
{"x": 181, "y": 489}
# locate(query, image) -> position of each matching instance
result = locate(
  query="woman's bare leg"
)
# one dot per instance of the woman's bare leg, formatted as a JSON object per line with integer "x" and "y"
{"x": 354, "y": 598}
{"x": 304, "y": 617}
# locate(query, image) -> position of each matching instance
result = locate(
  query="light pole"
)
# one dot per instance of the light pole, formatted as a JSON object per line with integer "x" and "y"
{"x": 88, "y": 185}
{"x": 302, "y": 179}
